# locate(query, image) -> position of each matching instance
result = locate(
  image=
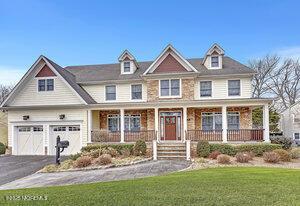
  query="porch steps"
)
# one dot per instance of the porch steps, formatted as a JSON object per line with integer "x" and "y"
{"x": 171, "y": 151}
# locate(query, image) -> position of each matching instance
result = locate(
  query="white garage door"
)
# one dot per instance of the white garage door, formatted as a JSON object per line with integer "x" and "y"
{"x": 30, "y": 140}
{"x": 69, "y": 133}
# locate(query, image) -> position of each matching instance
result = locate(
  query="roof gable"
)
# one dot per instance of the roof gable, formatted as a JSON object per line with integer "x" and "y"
{"x": 43, "y": 63}
{"x": 46, "y": 72}
{"x": 170, "y": 50}
{"x": 169, "y": 64}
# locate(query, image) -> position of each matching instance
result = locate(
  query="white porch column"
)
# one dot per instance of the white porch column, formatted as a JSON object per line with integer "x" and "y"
{"x": 156, "y": 125}
{"x": 266, "y": 123}
{"x": 224, "y": 124}
{"x": 184, "y": 122}
{"x": 154, "y": 148}
{"x": 122, "y": 125}
{"x": 90, "y": 125}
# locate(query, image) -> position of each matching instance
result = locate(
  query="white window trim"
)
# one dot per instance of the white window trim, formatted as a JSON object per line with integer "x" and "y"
{"x": 213, "y": 67}
{"x": 170, "y": 96}
{"x": 130, "y": 115}
{"x": 45, "y": 78}
{"x": 213, "y": 114}
{"x": 212, "y": 90}
{"x": 239, "y": 118}
{"x": 136, "y": 100}
{"x": 118, "y": 117}
{"x": 105, "y": 93}
{"x": 130, "y": 67}
{"x": 227, "y": 89}
{"x": 295, "y": 135}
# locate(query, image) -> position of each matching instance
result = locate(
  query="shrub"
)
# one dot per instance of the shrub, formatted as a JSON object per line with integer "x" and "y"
{"x": 271, "y": 157}
{"x": 243, "y": 157}
{"x": 125, "y": 153}
{"x": 284, "y": 141}
{"x": 67, "y": 164}
{"x": 283, "y": 154}
{"x": 83, "y": 161}
{"x": 250, "y": 154}
{"x": 139, "y": 148}
{"x": 2, "y": 148}
{"x": 104, "y": 159}
{"x": 113, "y": 152}
{"x": 223, "y": 159}
{"x": 223, "y": 148}
{"x": 214, "y": 154}
{"x": 95, "y": 153}
{"x": 257, "y": 149}
{"x": 203, "y": 148}
{"x": 295, "y": 153}
{"x": 75, "y": 156}
{"x": 118, "y": 147}
{"x": 50, "y": 168}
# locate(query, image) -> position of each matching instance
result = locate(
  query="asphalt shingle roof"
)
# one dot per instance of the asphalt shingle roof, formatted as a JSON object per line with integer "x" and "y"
{"x": 107, "y": 72}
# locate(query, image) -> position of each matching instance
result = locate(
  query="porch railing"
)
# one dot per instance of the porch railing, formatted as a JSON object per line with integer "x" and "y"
{"x": 208, "y": 135}
{"x": 245, "y": 135}
{"x": 105, "y": 136}
{"x": 146, "y": 135}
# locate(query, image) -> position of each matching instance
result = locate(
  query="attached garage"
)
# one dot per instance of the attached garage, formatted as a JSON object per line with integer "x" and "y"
{"x": 30, "y": 140}
{"x": 71, "y": 133}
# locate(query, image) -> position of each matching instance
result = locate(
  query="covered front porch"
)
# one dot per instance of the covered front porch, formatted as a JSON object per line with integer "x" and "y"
{"x": 177, "y": 124}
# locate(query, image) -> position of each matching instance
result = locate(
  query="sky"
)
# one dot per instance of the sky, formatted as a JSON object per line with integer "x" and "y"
{"x": 95, "y": 32}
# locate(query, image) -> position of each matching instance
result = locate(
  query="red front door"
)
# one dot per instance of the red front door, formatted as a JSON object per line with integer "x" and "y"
{"x": 170, "y": 128}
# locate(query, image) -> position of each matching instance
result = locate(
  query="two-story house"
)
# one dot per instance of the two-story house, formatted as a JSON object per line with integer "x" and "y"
{"x": 169, "y": 100}
{"x": 290, "y": 122}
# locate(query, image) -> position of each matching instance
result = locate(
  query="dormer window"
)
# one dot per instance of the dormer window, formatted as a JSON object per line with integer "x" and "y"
{"x": 214, "y": 61}
{"x": 127, "y": 67}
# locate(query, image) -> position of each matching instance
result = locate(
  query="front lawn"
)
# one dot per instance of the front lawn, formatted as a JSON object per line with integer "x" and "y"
{"x": 218, "y": 186}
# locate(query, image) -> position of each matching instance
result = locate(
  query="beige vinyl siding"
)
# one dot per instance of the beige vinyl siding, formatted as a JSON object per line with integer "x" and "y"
{"x": 48, "y": 117}
{"x": 62, "y": 94}
{"x": 3, "y": 127}
{"x": 220, "y": 88}
{"x": 123, "y": 92}
{"x": 289, "y": 127}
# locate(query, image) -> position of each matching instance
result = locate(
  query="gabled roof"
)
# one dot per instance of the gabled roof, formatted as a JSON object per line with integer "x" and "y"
{"x": 66, "y": 76}
{"x": 214, "y": 48}
{"x": 125, "y": 54}
{"x": 169, "y": 48}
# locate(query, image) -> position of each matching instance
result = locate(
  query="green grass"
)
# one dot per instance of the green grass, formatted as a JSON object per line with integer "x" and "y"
{"x": 219, "y": 186}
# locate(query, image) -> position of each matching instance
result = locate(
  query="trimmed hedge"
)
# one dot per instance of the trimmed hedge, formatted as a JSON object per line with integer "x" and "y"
{"x": 285, "y": 142}
{"x": 118, "y": 147}
{"x": 203, "y": 149}
{"x": 257, "y": 149}
{"x": 223, "y": 148}
{"x": 2, "y": 148}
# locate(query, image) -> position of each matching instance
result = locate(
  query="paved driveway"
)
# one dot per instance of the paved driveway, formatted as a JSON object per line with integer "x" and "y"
{"x": 15, "y": 167}
{"x": 151, "y": 168}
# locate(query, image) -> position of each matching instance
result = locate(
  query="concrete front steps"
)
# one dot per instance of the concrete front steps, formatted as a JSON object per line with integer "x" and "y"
{"x": 171, "y": 150}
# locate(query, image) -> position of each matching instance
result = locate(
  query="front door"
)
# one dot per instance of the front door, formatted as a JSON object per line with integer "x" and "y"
{"x": 170, "y": 128}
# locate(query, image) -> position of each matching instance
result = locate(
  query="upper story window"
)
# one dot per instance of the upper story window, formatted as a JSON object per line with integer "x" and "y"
{"x": 233, "y": 120}
{"x": 126, "y": 67}
{"x": 110, "y": 92}
{"x": 170, "y": 87}
{"x": 205, "y": 89}
{"x": 136, "y": 91}
{"x": 234, "y": 87}
{"x": 214, "y": 61}
{"x": 45, "y": 85}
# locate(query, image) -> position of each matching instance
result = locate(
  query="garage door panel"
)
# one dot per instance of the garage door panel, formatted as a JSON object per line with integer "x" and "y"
{"x": 66, "y": 133}
{"x": 29, "y": 141}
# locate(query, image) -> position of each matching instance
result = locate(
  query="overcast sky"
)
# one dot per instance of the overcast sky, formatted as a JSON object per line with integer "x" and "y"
{"x": 94, "y": 32}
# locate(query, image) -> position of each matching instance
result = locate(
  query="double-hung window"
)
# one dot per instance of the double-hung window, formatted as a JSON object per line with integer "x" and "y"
{"x": 211, "y": 121}
{"x": 113, "y": 122}
{"x": 233, "y": 120}
{"x": 214, "y": 61}
{"x": 136, "y": 91}
{"x": 297, "y": 136}
{"x": 132, "y": 122}
{"x": 110, "y": 92}
{"x": 234, "y": 87}
{"x": 126, "y": 67}
{"x": 170, "y": 87}
{"x": 205, "y": 89}
{"x": 45, "y": 85}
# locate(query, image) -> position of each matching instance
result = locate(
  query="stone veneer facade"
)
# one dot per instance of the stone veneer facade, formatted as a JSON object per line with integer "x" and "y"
{"x": 187, "y": 85}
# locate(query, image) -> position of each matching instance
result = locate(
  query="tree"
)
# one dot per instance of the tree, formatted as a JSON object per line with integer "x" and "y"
{"x": 257, "y": 119}
{"x": 4, "y": 92}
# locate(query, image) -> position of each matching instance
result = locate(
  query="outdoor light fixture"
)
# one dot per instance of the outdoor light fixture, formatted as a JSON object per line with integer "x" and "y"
{"x": 62, "y": 116}
{"x": 26, "y": 117}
